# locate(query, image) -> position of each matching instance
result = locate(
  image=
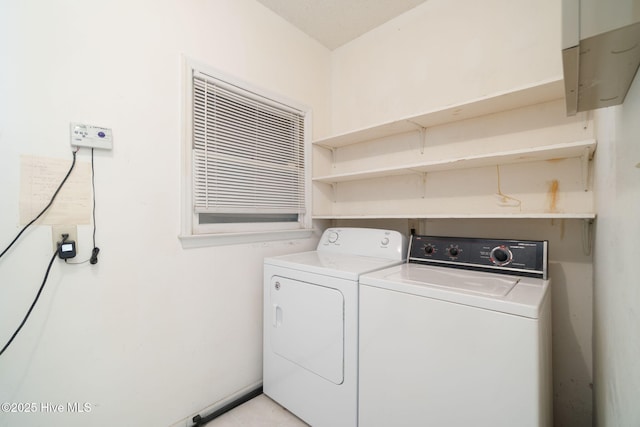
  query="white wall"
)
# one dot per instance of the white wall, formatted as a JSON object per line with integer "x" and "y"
{"x": 617, "y": 270}
{"x": 443, "y": 53}
{"x": 153, "y": 332}
{"x": 448, "y": 52}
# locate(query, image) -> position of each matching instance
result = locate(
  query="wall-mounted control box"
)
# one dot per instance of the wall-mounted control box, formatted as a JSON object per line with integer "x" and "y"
{"x": 91, "y": 136}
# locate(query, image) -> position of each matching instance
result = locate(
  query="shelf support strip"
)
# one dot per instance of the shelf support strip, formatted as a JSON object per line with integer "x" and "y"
{"x": 585, "y": 158}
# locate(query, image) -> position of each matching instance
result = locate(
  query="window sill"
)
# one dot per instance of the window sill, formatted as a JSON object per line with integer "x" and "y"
{"x": 224, "y": 239}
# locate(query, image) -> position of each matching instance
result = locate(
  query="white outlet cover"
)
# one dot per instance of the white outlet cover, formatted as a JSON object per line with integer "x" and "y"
{"x": 91, "y": 136}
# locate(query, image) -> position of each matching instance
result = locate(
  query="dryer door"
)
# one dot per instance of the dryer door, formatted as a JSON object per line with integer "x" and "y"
{"x": 307, "y": 322}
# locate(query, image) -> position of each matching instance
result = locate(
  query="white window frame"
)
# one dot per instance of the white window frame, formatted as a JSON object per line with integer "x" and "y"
{"x": 194, "y": 234}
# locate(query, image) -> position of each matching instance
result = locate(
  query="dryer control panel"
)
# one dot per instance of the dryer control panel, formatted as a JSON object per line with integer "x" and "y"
{"x": 371, "y": 242}
{"x": 515, "y": 257}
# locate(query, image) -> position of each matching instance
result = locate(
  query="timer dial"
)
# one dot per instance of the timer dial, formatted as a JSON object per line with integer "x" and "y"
{"x": 501, "y": 255}
{"x": 429, "y": 250}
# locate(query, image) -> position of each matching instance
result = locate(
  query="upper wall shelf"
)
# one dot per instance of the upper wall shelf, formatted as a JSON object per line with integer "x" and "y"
{"x": 554, "y": 215}
{"x": 583, "y": 149}
{"x": 530, "y": 95}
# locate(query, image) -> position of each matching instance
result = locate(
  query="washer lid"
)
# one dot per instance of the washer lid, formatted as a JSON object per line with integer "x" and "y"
{"x": 483, "y": 284}
{"x": 522, "y": 296}
{"x": 343, "y": 266}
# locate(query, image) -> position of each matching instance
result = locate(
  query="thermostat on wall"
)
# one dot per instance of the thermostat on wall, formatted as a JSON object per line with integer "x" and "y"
{"x": 91, "y": 136}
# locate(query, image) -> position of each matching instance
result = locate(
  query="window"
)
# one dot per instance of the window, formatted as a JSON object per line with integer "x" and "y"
{"x": 247, "y": 163}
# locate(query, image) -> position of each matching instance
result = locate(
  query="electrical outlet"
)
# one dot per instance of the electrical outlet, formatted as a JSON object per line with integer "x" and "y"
{"x": 91, "y": 136}
{"x": 58, "y": 230}
{"x": 414, "y": 224}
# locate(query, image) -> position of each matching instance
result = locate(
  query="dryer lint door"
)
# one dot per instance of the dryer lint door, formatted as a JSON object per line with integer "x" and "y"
{"x": 307, "y": 326}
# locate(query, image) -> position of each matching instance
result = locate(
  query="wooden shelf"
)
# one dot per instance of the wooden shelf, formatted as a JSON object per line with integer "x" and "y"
{"x": 582, "y": 149}
{"x": 584, "y": 216}
{"x": 530, "y": 95}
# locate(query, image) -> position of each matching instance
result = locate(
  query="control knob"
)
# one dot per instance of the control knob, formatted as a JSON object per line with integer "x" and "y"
{"x": 501, "y": 255}
{"x": 429, "y": 249}
{"x": 454, "y": 251}
{"x": 333, "y": 237}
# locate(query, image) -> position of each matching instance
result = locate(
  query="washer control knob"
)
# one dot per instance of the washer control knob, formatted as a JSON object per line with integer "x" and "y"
{"x": 333, "y": 237}
{"x": 429, "y": 249}
{"x": 501, "y": 255}
{"x": 454, "y": 251}
{"x": 384, "y": 241}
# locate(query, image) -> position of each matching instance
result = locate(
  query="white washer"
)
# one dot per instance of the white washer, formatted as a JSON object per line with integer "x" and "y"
{"x": 443, "y": 342}
{"x": 311, "y": 322}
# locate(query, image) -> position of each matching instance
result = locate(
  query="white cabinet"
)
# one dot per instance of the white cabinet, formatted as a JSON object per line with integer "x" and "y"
{"x": 511, "y": 155}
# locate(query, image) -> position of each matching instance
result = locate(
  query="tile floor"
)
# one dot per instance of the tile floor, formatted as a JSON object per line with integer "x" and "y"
{"x": 258, "y": 412}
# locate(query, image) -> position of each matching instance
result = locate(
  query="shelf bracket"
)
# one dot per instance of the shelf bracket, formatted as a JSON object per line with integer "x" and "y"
{"x": 585, "y": 158}
{"x": 423, "y": 131}
{"x": 333, "y": 152}
{"x": 334, "y": 191}
{"x": 424, "y": 185}
{"x": 587, "y": 236}
{"x": 585, "y": 121}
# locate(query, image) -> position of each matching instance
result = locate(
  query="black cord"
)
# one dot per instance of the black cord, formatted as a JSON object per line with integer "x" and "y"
{"x": 45, "y": 208}
{"x": 46, "y": 276}
{"x": 94, "y": 253}
{"x": 93, "y": 192}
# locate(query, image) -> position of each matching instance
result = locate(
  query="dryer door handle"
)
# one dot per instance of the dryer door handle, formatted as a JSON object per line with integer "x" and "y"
{"x": 277, "y": 315}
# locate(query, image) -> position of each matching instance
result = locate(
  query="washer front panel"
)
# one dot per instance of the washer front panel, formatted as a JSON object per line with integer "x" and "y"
{"x": 428, "y": 362}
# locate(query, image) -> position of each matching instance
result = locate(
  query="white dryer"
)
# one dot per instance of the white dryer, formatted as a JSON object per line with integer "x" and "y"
{"x": 459, "y": 336}
{"x": 311, "y": 322}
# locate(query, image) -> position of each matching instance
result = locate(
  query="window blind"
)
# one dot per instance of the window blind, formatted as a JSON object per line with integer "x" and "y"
{"x": 248, "y": 152}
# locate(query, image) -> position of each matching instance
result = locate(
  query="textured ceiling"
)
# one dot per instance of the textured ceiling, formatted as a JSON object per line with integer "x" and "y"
{"x": 336, "y": 22}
